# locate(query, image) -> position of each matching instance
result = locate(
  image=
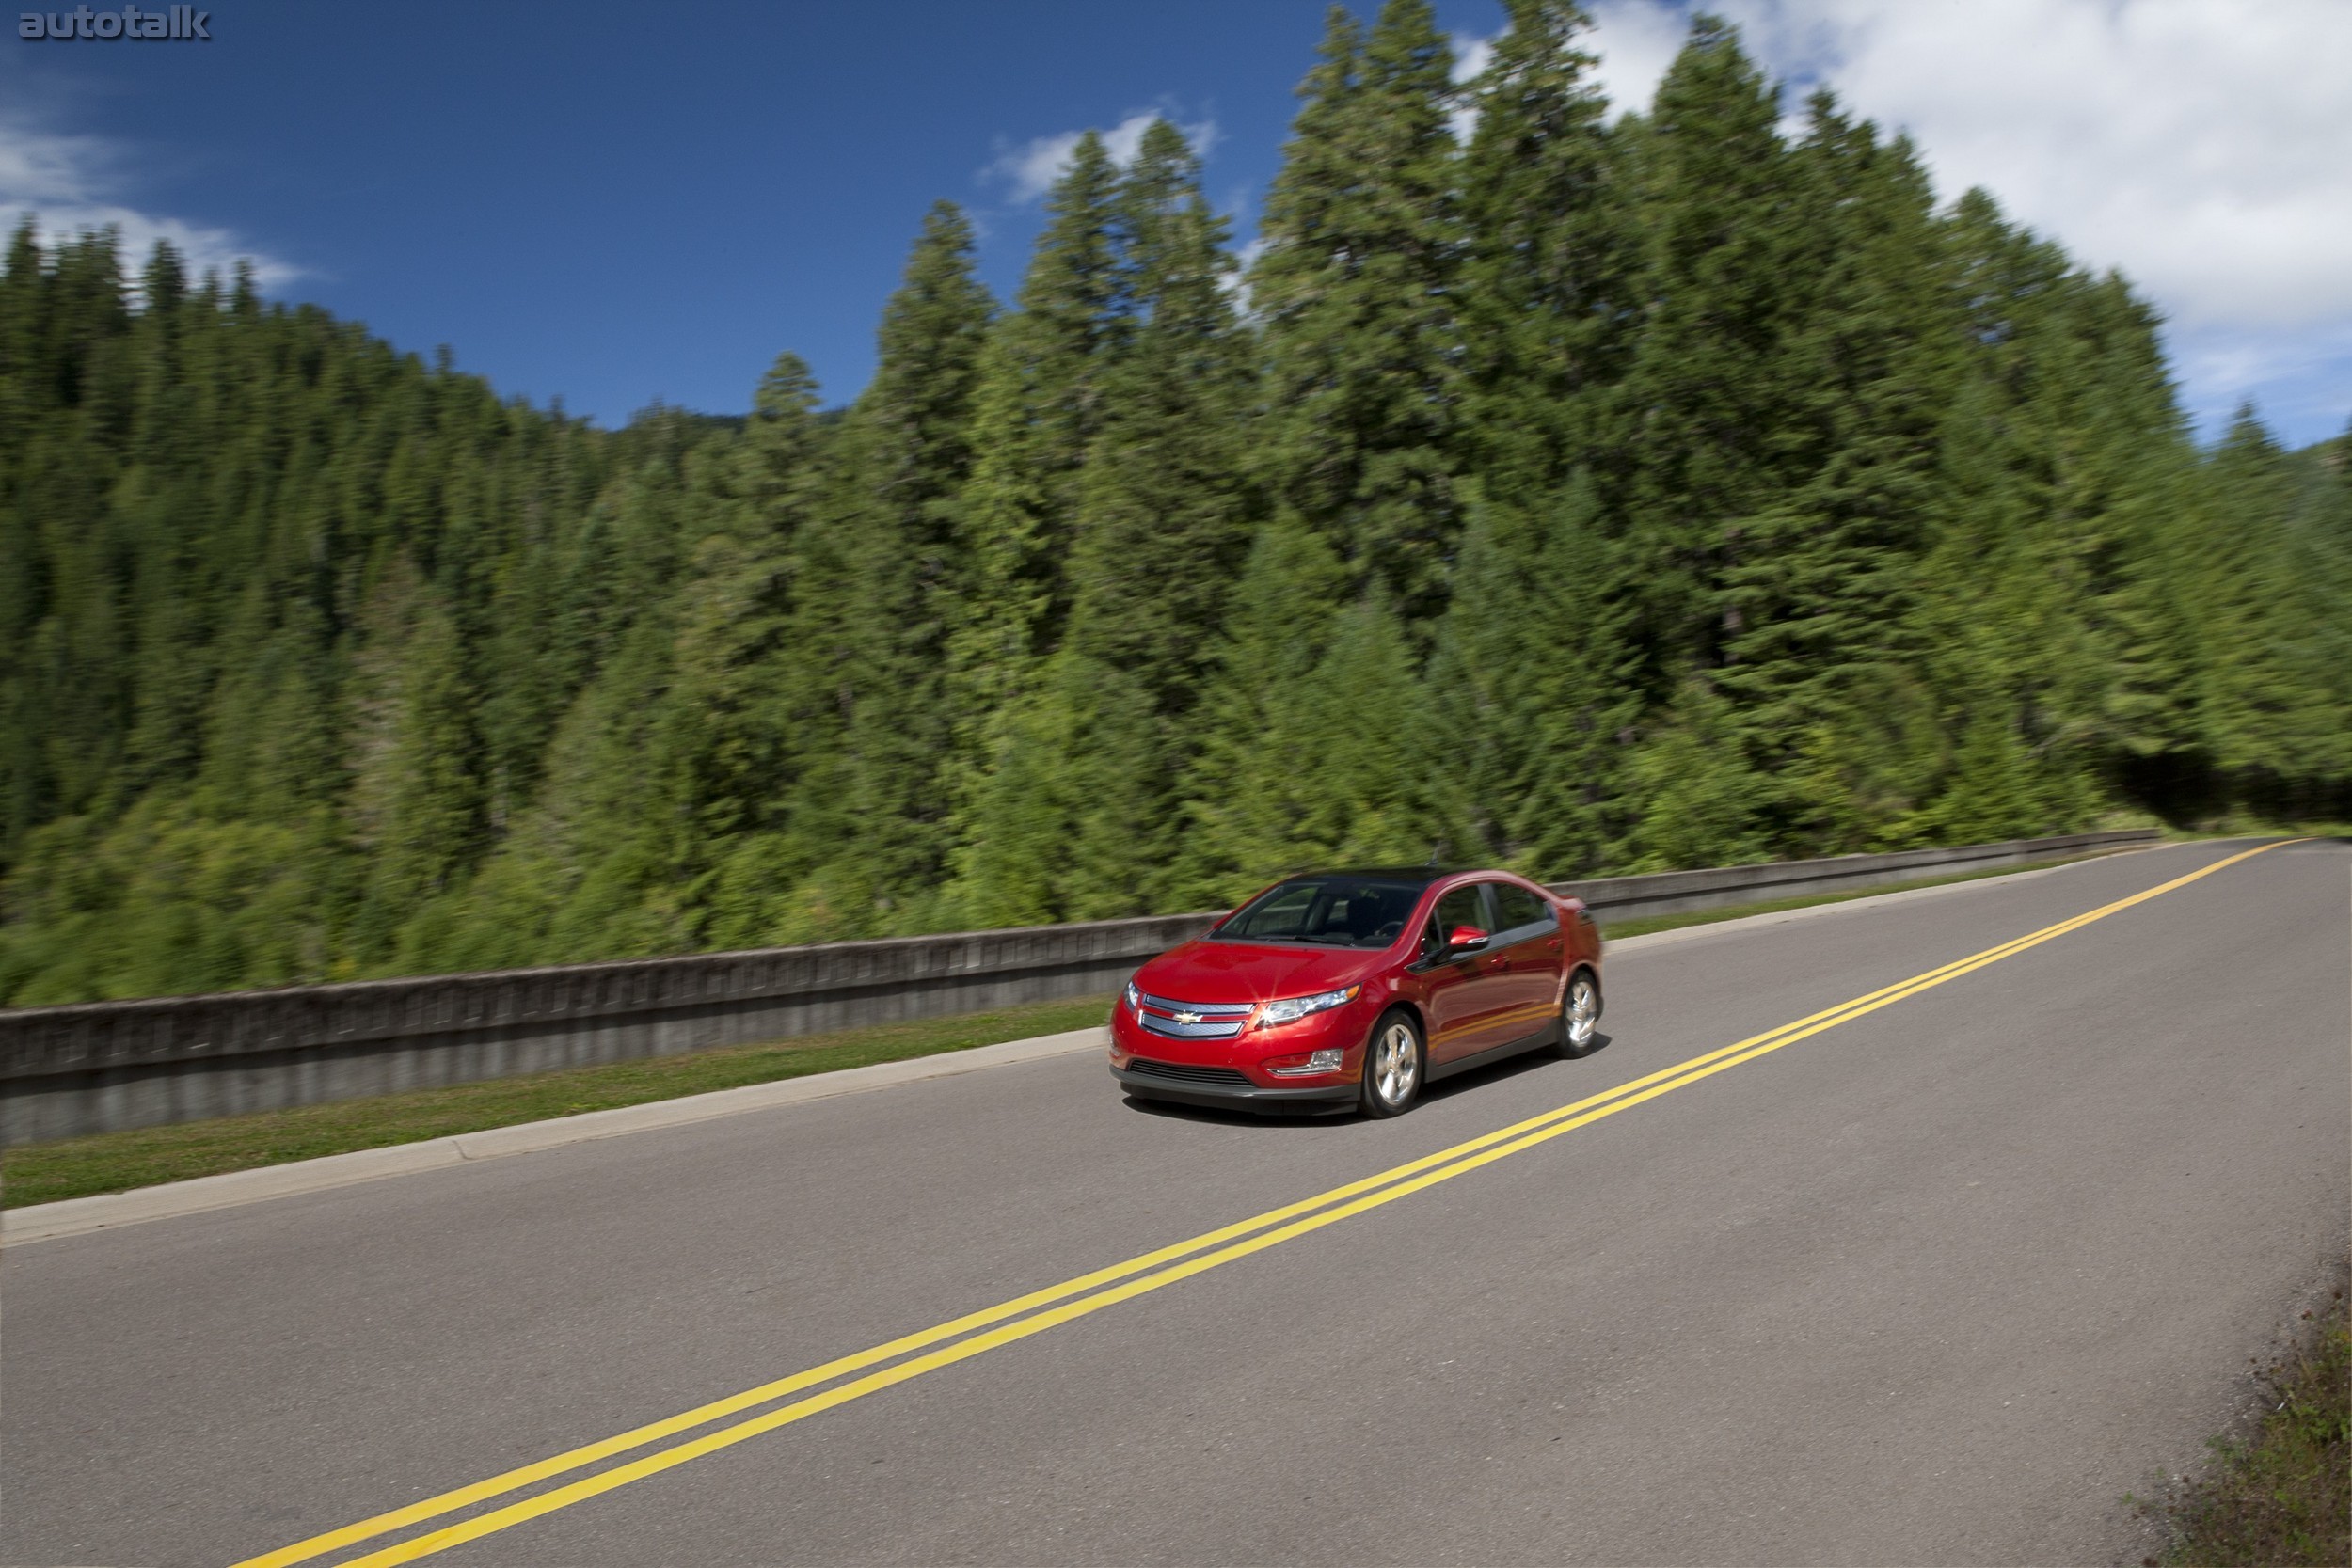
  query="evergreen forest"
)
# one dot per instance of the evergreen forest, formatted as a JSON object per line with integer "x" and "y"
{"x": 1577, "y": 493}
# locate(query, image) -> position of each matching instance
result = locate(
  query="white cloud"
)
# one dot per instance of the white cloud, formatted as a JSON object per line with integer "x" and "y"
{"x": 1031, "y": 168}
{"x": 70, "y": 182}
{"x": 2205, "y": 149}
{"x": 1472, "y": 55}
{"x": 1236, "y": 283}
{"x": 1636, "y": 41}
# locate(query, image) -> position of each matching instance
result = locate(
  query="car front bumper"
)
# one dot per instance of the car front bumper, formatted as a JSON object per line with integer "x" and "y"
{"x": 1188, "y": 1085}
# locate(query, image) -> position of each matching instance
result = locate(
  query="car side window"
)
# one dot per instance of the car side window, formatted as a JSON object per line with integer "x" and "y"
{"x": 1520, "y": 915}
{"x": 1464, "y": 905}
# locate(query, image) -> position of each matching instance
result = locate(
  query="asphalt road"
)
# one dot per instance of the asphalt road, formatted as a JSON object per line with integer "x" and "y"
{"x": 1938, "y": 1283}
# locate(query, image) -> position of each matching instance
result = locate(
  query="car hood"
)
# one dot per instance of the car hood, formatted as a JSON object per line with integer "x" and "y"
{"x": 1242, "y": 971}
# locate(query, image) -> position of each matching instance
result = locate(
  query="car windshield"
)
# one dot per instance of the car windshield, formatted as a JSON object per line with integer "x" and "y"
{"x": 1339, "y": 912}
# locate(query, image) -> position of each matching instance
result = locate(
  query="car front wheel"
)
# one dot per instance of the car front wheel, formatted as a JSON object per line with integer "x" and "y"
{"x": 1579, "y": 1015}
{"x": 1393, "y": 1067}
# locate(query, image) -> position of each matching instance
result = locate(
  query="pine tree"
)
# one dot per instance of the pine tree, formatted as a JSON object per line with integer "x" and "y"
{"x": 2062, "y": 455}
{"x": 1701, "y": 411}
{"x": 1531, "y": 668}
{"x": 2318, "y": 633}
{"x": 884, "y": 576}
{"x": 1244, "y": 791}
{"x": 1318, "y": 744}
{"x": 1697, "y": 799}
{"x": 1037, "y": 406}
{"x": 1159, "y": 514}
{"x": 1551, "y": 258}
{"x": 1356, "y": 291}
{"x": 2263, "y": 706}
{"x": 1155, "y": 517}
{"x": 751, "y": 718}
{"x": 1814, "y": 585}
{"x": 1159, "y": 523}
{"x": 1369, "y": 725}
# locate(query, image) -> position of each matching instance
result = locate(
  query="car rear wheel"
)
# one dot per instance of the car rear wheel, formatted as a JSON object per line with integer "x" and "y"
{"x": 1579, "y": 1016}
{"x": 1394, "y": 1066}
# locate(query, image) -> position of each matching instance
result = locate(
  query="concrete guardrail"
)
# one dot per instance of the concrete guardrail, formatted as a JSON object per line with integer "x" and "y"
{"x": 99, "y": 1067}
{"x": 1681, "y": 892}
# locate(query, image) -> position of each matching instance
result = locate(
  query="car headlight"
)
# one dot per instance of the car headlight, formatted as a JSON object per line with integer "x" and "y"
{"x": 1292, "y": 1009}
{"x": 1134, "y": 997}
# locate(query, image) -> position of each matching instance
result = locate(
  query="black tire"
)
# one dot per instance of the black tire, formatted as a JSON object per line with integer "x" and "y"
{"x": 1382, "y": 1093}
{"x": 1579, "y": 1031}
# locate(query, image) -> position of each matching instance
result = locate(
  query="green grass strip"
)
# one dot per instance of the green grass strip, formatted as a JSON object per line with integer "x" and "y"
{"x": 116, "y": 1161}
{"x": 2284, "y": 1495}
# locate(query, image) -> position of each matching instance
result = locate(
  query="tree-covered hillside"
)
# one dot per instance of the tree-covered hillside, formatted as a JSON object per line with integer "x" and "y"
{"x": 1579, "y": 496}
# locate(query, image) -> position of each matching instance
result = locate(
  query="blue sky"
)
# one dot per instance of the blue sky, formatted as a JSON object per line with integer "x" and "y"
{"x": 616, "y": 204}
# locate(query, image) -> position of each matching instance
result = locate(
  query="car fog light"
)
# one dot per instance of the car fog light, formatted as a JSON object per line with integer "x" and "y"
{"x": 1317, "y": 1061}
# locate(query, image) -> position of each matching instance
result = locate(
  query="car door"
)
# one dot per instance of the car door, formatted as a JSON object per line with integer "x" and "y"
{"x": 1529, "y": 948}
{"x": 1464, "y": 991}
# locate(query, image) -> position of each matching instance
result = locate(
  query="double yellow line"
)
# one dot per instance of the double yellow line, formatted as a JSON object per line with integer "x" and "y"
{"x": 966, "y": 1337}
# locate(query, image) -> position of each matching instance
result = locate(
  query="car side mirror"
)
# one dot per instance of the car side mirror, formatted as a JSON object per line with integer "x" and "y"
{"x": 1464, "y": 939}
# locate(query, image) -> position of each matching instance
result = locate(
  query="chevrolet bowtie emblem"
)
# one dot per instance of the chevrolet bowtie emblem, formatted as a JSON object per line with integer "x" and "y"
{"x": 1186, "y": 1018}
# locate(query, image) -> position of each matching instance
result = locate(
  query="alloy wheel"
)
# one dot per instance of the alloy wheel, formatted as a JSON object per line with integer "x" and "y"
{"x": 1583, "y": 1010}
{"x": 1579, "y": 1015}
{"x": 1396, "y": 1064}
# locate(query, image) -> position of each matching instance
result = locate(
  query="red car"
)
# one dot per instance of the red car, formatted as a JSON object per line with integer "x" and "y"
{"x": 1357, "y": 988}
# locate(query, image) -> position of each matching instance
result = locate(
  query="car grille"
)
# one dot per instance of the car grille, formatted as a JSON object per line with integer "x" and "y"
{"x": 1212, "y": 1020}
{"x": 1182, "y": 1072}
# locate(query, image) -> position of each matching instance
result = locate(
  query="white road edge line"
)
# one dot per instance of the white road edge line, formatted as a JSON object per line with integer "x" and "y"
{"x": 75, "y": 1216}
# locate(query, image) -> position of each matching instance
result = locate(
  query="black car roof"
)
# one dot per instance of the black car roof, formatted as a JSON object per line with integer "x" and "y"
{"x": 1415, "y": 876}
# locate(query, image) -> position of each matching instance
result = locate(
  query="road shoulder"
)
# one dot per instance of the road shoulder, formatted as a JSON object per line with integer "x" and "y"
{"x": 106, "y": 1210}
